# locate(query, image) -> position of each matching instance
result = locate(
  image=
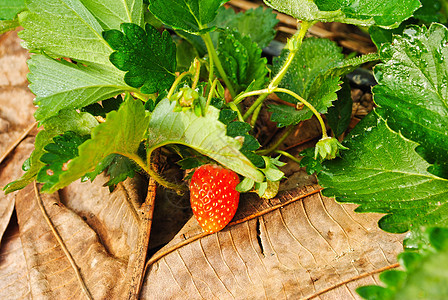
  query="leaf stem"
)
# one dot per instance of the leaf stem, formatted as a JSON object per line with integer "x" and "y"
{"x": 278, "y": 142}
{"x": 154, "y": 175}
{"x": 214, "y": 56}
{"x": 307, "y": 104}
{"x": 240, "y": 97}
{"x": 197, "y": 73}
{"x": 176, "y": 83}
{"x": 286, "y": 154}
{"x": 293, "y": 45}
{"x": 235, "y": 108}
{"x": 210, "y": 95}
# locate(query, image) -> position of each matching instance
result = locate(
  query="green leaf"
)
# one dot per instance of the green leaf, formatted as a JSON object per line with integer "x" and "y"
{"x": 66, "y": 120}
{"x": 187, "y": 15}
{"x": 258, "y": 24}
{"x": 8, "y": 25}
{"x": 111, "y": 13}
{"x": 340, "y": 114}
{"x": 63, "y": 149}
{"x": 381, "y": 36}
{"x": 148, "y": 57}
{"x": 205, "y": 134}
{"x": 314, "y": 75}
{"x": 105, "y": 107}
{"x": 430, "y": 11}
{"x": 120, "y": 134}
{"x": 412, "y": 89}
{"x": 242, "y": 61}
{"x": 382, "y": 173}
{"x": 59, "y": 84}
{"x": 308, "y": 161}
{"x": 10, "y": 8}
{"x": 425, "y": 275}
{"x": 63, "y": 28}
{"x": 118, "y": 167}
{"x": 388, "y": 14}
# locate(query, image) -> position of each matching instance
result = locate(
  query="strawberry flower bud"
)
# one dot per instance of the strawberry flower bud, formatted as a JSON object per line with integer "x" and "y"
{"x": 328, "y": 148}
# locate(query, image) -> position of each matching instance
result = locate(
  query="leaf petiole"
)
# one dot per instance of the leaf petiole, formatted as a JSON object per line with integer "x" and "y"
{"x": 210, "y": 94}
{"x": 214, "y": 56}
{"x": 176, "y": 83}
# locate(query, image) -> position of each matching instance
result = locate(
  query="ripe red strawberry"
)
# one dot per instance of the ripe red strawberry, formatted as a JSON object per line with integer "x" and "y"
{"x": 213, "y": 197}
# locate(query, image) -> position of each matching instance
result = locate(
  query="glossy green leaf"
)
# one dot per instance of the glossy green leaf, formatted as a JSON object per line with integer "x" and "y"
{"x": 188, "y": 15}
{"x": 205, "y": 134}
{"x": 368, "y": 12}
{"x": 148, "y": 57}
{"x": 58, "y": 153}
{"x": 315, "y": 76}
{"x": 66, "y": 120}
{"x": 425, "y": 275}
{"x": 59, "y": 84}
{"x": 382, "y": 173}
{"x": 430, "y": 11}
{"x": 242, "y": 61}
{"x": 8, "y": 25}
{"x": 120, "y": 134}
{"x": 111, "y": 13}
{"x": 64, "y": 28}
{"x": 412, "y": 89}
{"x": 10, "y": 8}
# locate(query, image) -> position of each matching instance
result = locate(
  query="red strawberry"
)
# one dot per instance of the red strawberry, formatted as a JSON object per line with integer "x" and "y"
{"x": 213, "y": 197}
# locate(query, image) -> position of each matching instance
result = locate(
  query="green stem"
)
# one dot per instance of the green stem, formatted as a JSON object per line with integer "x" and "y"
{"x": 210, "y": 94}
{"x": 196, "y": 75}
{"x": 214, "y": 56}
{"x": 255, "y": 105}
{"x": 294, "y": 45}
{"x": 255, "y": 116}
{"x": 307, "y": 104}
{"x": 278, "y": 142}
{"x": 249, "y": 94}
{"x": 159, "y": 179}
{"x": 235, "y": 108}
{"x": 286, "y": 154}
{"x": 143, "y": 97}
{"x": 176, "y": 83}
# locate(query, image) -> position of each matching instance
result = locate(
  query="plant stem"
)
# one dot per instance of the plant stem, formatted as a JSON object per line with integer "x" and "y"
{"x": 210, "y": 95}
{"x": 293, "y": 45}
{"x": 249, "y": 94}
{"x": 235, "y": 108}
{"x": 196, "y": 75}
{"x": 214, "y": 56}
{"x": 286, "y": 154}
{"x": 255, "y": 115}
{"x": 176, "y": 83}
{"x": 278, "y": 142}
{"x": 255, "y": 105}
{"x": 307, "y": 104}
{"x": 154, "y": 175}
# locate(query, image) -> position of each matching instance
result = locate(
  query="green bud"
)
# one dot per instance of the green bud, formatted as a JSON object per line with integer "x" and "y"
{"x": 188, "y": 96}
{"x": 328, "y": 148}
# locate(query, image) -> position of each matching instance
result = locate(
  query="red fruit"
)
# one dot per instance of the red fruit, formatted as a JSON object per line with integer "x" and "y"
{"x": 213, "y": 197}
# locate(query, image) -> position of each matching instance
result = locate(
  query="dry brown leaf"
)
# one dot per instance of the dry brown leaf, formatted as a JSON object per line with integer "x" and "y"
{"x": 290, "y": 251}
{"x": 9, "y": 171}
{"x": 14, "y": 282}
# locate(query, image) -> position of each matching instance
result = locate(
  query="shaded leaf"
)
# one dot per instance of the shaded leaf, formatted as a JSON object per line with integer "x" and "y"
{"x": 119, "y": 168}
{"x": 340, "y": 114}
{"x": 59, "y": 84}
{"x": 256, "y": 23}
{"x": 413, "y": 88}
{"x": 188, "y": 15}
{"x": 205, "y": 134}
{"x": 242, "y": 61}
{"x": 111, "y": 13}
{"x": 64, "y": 28}
{"x": 148, "y": 58}
{"x": 430, "y": 11}
{"x": 388, "y": 14}
{"x": 384, "y": 174}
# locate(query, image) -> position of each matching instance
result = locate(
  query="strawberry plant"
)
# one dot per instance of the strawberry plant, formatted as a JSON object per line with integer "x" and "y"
{"x": 116, "y": 81}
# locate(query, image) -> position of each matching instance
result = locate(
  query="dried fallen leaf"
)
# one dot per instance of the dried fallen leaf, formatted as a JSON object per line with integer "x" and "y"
{"x": 293, "y": 246}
